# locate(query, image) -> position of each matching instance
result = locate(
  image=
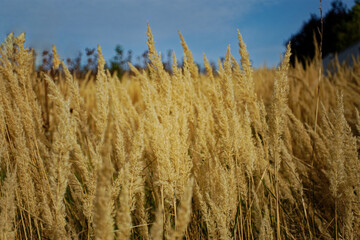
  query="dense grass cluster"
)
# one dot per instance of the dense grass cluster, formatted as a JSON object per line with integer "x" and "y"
{"x": 237, "y": 154}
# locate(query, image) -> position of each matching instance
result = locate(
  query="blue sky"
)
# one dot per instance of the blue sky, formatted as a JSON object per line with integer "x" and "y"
{"x": 207, "y": 25}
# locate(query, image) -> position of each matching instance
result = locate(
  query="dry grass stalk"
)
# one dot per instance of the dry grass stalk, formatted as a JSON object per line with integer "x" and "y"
{"x": 100, "y": 155}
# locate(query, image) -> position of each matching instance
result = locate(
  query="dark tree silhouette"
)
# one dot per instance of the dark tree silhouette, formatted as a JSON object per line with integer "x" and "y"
{"x": 341, "y": 29}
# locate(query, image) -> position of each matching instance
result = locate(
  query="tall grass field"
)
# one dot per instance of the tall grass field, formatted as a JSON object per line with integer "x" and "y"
{"x": 235, "y": 153}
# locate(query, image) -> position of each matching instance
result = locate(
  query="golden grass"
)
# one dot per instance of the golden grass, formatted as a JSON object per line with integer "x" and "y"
{"x": 226, "y": 155}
